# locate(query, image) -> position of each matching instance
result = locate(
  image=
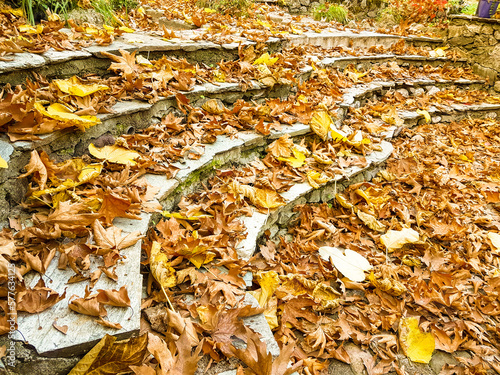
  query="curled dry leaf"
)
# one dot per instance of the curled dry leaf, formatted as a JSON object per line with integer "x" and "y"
{"x": 88, "y": 305}
{"x": 38, "y": 299}
{"x": 114, "y": 297}
{"x": 370, "y": 221}
{"x": 264, "y": 198}
{"x": 320, "y": 124}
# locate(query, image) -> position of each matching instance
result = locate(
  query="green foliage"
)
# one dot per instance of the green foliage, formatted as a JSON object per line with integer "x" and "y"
{"x": 230, "y": 7}
{"x": 35, "y": 10}
{"x": 107, "y": 8}
{"x": 469, "y": 9}
{"x": 331, "y": 12}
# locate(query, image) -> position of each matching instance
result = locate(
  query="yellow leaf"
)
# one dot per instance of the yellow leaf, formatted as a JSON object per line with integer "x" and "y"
{"x": 141, "y": 60}
{"x": 316, "y": 179}
{"x": 161, "y": 269}
{"x": 89, "y": 172}
{"x": 343, "y": 201}
{"x": 60, "y": 112}
{"x": 495, "y": 240}
{"x": 213, "y": 107}
{"x": 202, "y": 258}
{"x": 74, "y": 86}
{"x": 426, "y": 115}
{"x": 370, "y": 221}
{"x": 264, "y": 23}
{"x": 417, "y": 345}
{"x": 264, "y": 198}
{"x": 353, "y": 74}
{"x": 30, "y": 29}
{"x": 114, "y": 154}
{"x": 326, "y": 296}
{"x": 208, "y": 10}
{"x": 219, "y": 75}
{"x": 178, "y": 215}
{"x": 322, "y": 159}
{"x": 296, "y": 30}
{"x": 337, "y": 135}
{"x": 320, "y": 124}
{"x": 269, "y": 282}
{"x": 297, "y": 160}
{"x": 396, "y": 239}
{"x": 357, "y": 139}
{"x": 3, "y": 163}
{"x": 392, "y": 117}
{"x": 266, "y": 59}
{"x": 126, "y": 29}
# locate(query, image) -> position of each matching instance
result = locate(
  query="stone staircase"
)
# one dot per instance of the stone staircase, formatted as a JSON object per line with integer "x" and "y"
{"x": 55, "y": 352}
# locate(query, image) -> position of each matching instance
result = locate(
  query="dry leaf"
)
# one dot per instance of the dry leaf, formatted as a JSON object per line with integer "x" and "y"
{"x": 351, "y": 264}
{"x": 417, "y": 345}
{"x": 114, "y": 154}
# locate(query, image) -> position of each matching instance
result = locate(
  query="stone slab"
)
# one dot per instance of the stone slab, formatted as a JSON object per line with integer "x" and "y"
{"x": 52, "y": 56}
{"x": 21, "y": 61}
{"x": 83, "y": 331}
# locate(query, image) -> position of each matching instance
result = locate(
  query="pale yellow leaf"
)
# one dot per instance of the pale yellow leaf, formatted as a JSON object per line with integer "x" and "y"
{"x": 114, "y": 154}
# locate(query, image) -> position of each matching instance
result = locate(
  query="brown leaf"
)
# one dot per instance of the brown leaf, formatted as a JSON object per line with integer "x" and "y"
{"x": 109, "y": 357}
{"x": 89, "y": 305}
{"x": 38, "y": 299}
{"x": 114, "y": 297}
{"x": 111, "y": 238}
{"x": 180, "y": 324}
{"x": 62, "y": 329}
{"x": 108, "y": 324}
{"x": 38, "y": 169}
{"x": 282, "y": 147}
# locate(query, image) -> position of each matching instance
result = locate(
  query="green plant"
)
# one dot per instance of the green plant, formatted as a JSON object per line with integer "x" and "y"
{"x": 230, "y": 7}
{"x": 107, "y": 8}
{"x": 469, "y": 9}
{"x": 35, "y": 10}
{"x": 331, "y": 12}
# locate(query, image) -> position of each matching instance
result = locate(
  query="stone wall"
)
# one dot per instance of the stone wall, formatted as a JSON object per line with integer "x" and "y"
{"x": 479, "y": 41}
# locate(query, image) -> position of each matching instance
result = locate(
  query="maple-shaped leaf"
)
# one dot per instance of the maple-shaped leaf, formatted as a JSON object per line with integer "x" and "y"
{"x": 115, "y": 206}
{"x": 109, "y": 357}
{"x": 228, "y": 291}
{"x": 38, "y": 299}
{"x": 111, "y": 238}
{"x": 282, "y": 147}
{"x": 124, "y": 63}
{"x": 224, "y": 324}
{"x": 186, "y": 361}
{"x": 181, "y": 325}
{"x": 261, "y": 362}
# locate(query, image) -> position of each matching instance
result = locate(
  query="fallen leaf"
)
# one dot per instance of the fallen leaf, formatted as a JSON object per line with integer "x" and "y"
{"x": 351, "y": 264}
{"x": 109, "y": 357}
{"x": 320, "y": 124}
{"x": 417, "y": 345}
{"x": 114, "y": 154}
{"x": 396, "y": 239}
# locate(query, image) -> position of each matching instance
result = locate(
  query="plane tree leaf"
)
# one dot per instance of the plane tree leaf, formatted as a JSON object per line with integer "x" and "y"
{"x": 114, "y": 154}
{"x": 110, "y": 357}
{"x": 417, "y": 345}
{"x": 351, "y": 264}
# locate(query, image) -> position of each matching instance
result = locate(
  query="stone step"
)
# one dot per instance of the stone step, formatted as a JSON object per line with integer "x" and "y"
{"x": 90, "y": 60}
{"x": 131, "y": 115}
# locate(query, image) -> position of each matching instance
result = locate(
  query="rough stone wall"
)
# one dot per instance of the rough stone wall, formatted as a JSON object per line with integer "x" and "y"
{"x": 479, "y": 41}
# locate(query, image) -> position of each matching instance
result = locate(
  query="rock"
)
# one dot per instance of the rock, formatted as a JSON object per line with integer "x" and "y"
{"x": 403, "y": 92}
{"x": 433, "y": 90}
{"x": 439, "y": 359}
{"x": 337, "y": 367}
{"x": 157, "y": 316}
{"x": 80, "y": 16}
{"x": 176, "y": 24}
{"x": 497, "y": 86}
{"x": 419, "y": 92}
{"x": 413, "y": 368}
{"x": 372, "y": 14}
{"x": 497, "y": 35}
